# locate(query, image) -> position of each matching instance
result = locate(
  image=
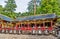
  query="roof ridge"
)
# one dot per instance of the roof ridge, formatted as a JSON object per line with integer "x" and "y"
{"x": 5, "y": 16}
{"x": 47, "y": 16}
{"x": 36, "y": 15}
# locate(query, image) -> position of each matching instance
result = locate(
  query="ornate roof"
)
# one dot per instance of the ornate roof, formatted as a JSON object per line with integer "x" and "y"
{"x": 39, "y": 17}
{"x": 47, "y": 16}
{"x": 6, "y": 18}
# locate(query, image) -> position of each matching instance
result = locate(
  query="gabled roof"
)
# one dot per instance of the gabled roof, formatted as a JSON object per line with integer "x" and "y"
{"x": 48, "y": 16}
{"x": 6, "y": 18}
{"x": 39, "y": 17}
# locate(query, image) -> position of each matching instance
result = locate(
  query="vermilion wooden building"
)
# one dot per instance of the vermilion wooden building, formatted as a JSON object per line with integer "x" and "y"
{"x": 39, "y": 24}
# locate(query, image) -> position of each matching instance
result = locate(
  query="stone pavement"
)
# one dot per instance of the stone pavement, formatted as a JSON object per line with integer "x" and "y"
{"x": 11, "y": 36}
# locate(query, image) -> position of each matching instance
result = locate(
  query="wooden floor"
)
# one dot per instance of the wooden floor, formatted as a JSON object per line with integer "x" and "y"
{"x": 11, "y": 36}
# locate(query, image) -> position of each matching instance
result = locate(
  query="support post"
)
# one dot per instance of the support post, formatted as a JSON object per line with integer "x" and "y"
{"x": 43, "y": 24}
{"x": 51, "y": 23}
{"x": 43, "y": 28}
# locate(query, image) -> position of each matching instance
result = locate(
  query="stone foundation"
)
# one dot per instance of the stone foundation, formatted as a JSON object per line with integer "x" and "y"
{"x": 11, "y": 36}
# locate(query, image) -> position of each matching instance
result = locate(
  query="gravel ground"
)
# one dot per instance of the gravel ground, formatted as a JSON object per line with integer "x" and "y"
{"x": 11, "y": 36}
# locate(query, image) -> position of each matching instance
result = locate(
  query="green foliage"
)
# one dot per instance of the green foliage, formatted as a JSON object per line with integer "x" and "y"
{"x": 18, "y": 14}
{"x": 9, "y": 9}
{"x": 25, "y": 14}
{"x": 10, "y": 6}
{"x": 38, "y": 10}
{"x": 11, "y": 15}
{"x": 1, "y": 9}
{"x": 43, "y": 7}
{"x": 31, "y": 5}
{"x": 49, "y": 6}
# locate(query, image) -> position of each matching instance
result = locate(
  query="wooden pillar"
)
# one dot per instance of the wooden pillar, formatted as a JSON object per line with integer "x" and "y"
{"x": 43, "y": 23}
{"x": 21, "y": 24}
{"x": 35, "y": 25}
{"x": 50, "y": 28}
{"x": 43, "y": 28}
{"x": 22, "y": 27}
{"x": 28, "y": 24}
{"x": 51, "y": 23}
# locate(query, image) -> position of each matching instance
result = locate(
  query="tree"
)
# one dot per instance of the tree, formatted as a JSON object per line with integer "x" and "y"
{"x": 18, "y": 14}
{"x": 1, "y": 9}
{"x": 10, "y": 6}
{"x": 49, "y": 6}
{"x": 31, "y": 5}
{"x": 25, "y": 14}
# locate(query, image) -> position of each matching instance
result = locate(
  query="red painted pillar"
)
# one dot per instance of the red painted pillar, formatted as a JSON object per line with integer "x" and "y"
{"x": 36, "y": 27}
{"x": 50, "y": 28}
{"x": 43, "y": 24}
{"x": 0, "y": 26}
{"x": 43, "y": 28}
{"x": 28, "y": 26}
{"x": 17, "y": 27}
{"x": 22, "y": 27}
{"x": 51, "y": 23}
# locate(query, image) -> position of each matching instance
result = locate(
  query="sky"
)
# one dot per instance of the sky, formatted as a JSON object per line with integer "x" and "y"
{"x": 21, "y": 5}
